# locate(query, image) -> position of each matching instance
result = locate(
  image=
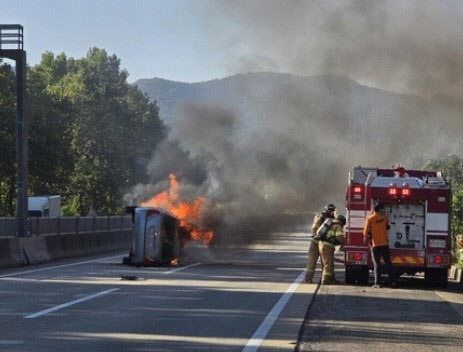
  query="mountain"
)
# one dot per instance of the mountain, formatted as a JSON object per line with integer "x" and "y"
{"x": 252, "y": 92}
{"x": 270, "y": 143}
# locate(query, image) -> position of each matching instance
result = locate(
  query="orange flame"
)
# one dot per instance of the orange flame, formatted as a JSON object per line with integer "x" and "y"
{"x": 184, "y": 211}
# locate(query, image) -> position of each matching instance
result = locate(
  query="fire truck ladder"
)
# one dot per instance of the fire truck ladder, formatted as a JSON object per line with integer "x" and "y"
{"x": 365, "y": 202}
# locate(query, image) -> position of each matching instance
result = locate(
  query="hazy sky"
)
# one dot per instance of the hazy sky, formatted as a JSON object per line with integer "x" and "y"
{"x": 162, "y": 38}
{"x": 408, "y": 46}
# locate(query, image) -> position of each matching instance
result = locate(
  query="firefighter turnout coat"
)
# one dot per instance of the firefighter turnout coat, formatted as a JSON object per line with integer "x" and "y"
{"x": 313, "y": 252}
{"x": 333, "y": 237}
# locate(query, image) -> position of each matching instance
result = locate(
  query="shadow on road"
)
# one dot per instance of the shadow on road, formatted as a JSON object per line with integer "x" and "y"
{"x": 361, "y": 318}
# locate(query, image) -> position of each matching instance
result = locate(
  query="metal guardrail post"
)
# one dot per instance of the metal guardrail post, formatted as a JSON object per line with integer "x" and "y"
{"x": 67, "y": 225}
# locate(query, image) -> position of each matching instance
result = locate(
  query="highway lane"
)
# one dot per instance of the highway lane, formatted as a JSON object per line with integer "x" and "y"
{"x": 414, "y": 317}
{"x": 242, "y": 299}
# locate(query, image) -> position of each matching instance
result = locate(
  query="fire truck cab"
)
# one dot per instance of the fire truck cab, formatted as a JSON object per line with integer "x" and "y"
{"x": 417, "y": 204}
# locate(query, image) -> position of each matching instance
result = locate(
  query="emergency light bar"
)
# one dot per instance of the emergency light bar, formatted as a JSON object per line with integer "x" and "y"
{"x": 395, "y": 191}
{"x": 405, "y": 189}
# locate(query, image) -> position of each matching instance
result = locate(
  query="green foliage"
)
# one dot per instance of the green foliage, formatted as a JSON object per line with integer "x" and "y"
{"x": 70, "y": 207}
{"x": 50, "y": 115}
{"x": 452, "y": 168}
{"x": 7, "y": 140}
{"x": 459, "y": 258}
{"x": 90, "y": 132}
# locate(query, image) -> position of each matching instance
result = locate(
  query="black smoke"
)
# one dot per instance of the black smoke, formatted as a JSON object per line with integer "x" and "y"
{"x": 280, "y": 145}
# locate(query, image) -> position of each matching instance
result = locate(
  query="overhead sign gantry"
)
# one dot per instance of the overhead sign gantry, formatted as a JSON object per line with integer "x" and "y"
{"x": 11, "y": 47}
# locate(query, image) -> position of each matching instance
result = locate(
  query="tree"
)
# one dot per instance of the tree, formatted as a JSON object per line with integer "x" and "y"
{"x": 115, "y": 127}
{"x": 7, "y": 140}
{"x": 91, "y": 133}
{"x": 452, "y": 168}
{"x": 51, "y": 93}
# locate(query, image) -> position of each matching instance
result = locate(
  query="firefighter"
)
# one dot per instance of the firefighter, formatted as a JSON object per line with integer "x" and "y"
{"x": 313, "y": 253}
{"x": 333, "y": 237}
{"x": 399, "y": 171}
{"x": 375, "y": 231}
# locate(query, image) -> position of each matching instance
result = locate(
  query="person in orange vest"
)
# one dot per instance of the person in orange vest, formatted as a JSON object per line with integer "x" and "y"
{"x": 375, "y": 231}
{"x": 314, "y": 252}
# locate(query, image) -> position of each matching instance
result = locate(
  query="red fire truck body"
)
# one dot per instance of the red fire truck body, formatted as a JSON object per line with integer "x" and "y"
{"x": 417, "y": 204}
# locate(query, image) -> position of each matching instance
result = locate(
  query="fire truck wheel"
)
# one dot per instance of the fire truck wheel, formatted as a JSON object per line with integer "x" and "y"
{"x": 436, "y": 277}
{"x": 364, "y": 275}
{"x": 358, "y": 275}
{"x": 349, "y": 275}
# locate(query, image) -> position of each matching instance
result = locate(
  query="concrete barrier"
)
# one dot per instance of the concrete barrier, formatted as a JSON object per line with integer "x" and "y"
{"x": 33, "y": 250}
{"x": 17, "y": 252}
{"x": 55, "y": 246}
{"x": 6, "y": 258}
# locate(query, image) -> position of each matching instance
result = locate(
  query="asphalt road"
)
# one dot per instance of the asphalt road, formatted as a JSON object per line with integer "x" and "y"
{"x": 241, "y": 299}
{"x": 414, "y": 317}
{"x": 236, "y": 300}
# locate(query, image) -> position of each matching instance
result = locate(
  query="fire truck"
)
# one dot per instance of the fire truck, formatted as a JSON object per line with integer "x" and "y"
{"x": 418, "y": 205}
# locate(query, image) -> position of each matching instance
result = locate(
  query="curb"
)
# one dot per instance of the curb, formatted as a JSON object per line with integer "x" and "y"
{"x": 300, "y": 335}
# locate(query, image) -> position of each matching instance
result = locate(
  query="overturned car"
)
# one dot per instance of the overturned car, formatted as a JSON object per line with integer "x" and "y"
{"x": 156, "y": 237}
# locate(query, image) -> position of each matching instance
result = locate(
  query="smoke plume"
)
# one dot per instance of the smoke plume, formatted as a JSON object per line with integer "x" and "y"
{"x": 283, "y": 144}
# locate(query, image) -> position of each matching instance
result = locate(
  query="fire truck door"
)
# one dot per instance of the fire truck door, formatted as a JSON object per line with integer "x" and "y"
{"x": 406, "y": 226}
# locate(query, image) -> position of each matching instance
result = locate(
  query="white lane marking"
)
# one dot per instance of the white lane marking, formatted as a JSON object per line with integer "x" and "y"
{"x": 65, "y": 305}
{"x": 11, "y": 342}
{"x": 60, "y": 266}
{"x": 262, "y": 331}
{"x": 180, "y": 268}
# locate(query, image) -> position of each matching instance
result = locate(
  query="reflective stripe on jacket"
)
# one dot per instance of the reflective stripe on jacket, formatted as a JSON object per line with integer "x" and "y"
{"x": 334, "y": 235}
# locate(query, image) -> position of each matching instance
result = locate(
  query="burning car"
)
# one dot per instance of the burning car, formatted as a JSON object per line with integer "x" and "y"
{"x": 156, "y": 239}
{"x": 163, "y": 225}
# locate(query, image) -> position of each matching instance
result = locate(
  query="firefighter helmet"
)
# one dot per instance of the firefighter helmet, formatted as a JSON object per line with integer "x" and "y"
{"x": 341, "y": 219}
{"x": 329, "y": 208}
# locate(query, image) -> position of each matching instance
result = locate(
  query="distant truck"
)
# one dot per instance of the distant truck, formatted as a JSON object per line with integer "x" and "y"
{"x": 417, "y": 204}
{"x": 44, "y": 206}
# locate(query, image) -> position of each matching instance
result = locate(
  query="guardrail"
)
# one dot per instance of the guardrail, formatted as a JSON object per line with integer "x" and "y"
{"x": 67, "y": 225}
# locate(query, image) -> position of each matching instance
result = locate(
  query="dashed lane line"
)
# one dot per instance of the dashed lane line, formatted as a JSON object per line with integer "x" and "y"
{"x": 180, "y": 268}
{"x": 65, "y": 305}
{"x": 59, "y": 266}
{"x": 94, "y": 261}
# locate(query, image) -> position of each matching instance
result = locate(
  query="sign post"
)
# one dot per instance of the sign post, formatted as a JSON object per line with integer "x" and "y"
{"x": 11, "y": 47}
